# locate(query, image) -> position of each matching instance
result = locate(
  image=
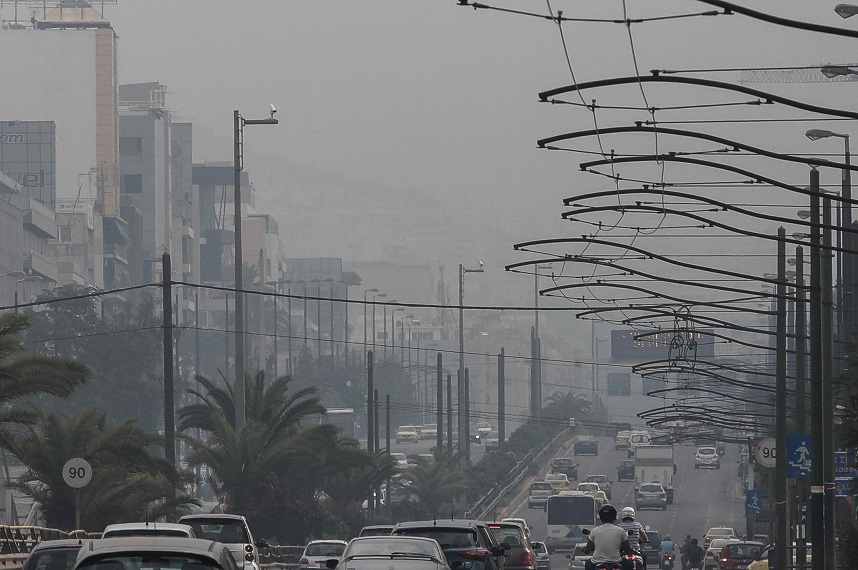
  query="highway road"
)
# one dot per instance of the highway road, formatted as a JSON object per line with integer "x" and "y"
{"x": 703, "y": 498}
{"x": 425, "y": 446}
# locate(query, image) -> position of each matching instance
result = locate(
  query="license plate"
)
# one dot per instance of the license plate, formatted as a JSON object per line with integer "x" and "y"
{"x": 741, "y": 567}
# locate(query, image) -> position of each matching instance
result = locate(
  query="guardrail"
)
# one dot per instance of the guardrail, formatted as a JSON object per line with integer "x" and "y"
{"x": 486, "y": 504}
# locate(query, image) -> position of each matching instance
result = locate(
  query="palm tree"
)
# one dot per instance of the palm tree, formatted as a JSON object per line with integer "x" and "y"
{"x": 27, "y": 375}
{"x": 435, "y": 482}
{"x": 348, "y": 476}
{"x": 127, "y": 480}
{"x": 251, "y": 465}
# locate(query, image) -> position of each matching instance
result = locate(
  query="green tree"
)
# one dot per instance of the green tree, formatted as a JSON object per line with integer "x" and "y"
{"x": 128, "y": 482}
{"x": 28, "y": 375}
{"x": 266, "y": 465}
{"x": 435, "y": 482}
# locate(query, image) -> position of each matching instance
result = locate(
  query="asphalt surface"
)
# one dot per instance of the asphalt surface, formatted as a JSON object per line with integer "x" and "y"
{"x": 425, "y": 446}
{"x": 703, "y": 498}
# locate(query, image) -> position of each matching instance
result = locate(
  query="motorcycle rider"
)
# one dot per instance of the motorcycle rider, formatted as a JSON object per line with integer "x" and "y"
{"x": 667, "y": 548}
{"x": 694, "y": 554}
{"x": 683, "y": 551}
{"x": 636, "y": 532}
{"x": 607, "y": 543}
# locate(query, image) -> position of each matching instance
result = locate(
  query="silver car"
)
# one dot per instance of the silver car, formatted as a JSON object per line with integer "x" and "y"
{"x": 231, "y": 530}
{"x": 651, "y": 495}
{"x": 401, "y": 552}
{"x": 707, "y": 457}
{"x": 138, "y": 552}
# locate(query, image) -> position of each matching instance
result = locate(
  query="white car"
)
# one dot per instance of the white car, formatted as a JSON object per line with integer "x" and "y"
{"x": 407, "y": 434}
{"x": 707, "y": 457}
{"x": 230, "y": 530}
{"x": 392, "y": 551}
{"x": 429, "y": 431}
{"x": 400, "y": 459}
{"x": 318, "y": 552}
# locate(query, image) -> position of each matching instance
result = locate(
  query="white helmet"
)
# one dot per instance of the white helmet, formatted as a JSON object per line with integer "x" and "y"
{"x": 627, "y": 513}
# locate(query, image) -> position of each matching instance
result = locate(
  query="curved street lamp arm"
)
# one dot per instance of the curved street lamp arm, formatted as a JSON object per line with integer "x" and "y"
{"x": 729, "y": 7}
{"x": 635, "y": 80}
{"x": 705, "y": 199}
{"x": 706, "y": 221}
{"x": 693, "y": 303}
{"x": 662, "y": 258}
{"x": 710, "y": 164}
{"x": 640, "y": 128}
{"x": 657, "y": 278}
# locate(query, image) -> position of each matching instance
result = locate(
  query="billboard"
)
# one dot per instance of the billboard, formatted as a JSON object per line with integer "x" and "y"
{"x": 28, "y": 156}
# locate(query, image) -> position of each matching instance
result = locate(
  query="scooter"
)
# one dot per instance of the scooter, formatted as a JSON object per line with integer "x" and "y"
{"x": 666, "y": 561}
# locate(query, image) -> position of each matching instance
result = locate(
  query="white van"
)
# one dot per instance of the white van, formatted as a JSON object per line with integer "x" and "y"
{"x": 637, "y": 438}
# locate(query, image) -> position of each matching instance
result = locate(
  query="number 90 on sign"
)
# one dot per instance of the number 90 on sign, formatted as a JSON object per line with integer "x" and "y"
{"x": 766, "y": 452}
{"x": 77, "y": 472}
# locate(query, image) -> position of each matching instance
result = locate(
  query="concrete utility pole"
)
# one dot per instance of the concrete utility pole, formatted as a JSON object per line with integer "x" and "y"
{"x": 169, "y": 396}
{"x": 464, "y": 440}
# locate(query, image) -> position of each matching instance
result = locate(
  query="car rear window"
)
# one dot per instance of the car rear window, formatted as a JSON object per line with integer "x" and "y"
{"x": 706, "y": 451}
{"x": 154, "y": 561}
{"x": 446, "y": 537}
{"x": 325, "y": 549}
{"x": 651, "y": 488}
{"x": 511, "y": 534}
{"x": 597, "y": 478}
{"x": 741, "y": 551}
{"x": 54, "y": 558}
{"x": 541, "y": 486}
{"x": 224, "y": 531}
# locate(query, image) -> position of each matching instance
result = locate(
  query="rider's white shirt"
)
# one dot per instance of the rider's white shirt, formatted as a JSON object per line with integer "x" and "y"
{"x": 607, "y": 538}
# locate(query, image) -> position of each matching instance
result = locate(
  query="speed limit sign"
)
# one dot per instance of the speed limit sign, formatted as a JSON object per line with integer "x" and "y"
{"x": 766, "y": 452}
{"x": 77, "y": 472}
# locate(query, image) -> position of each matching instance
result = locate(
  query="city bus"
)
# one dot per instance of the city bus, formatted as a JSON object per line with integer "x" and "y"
{"x": 567, "y": 514}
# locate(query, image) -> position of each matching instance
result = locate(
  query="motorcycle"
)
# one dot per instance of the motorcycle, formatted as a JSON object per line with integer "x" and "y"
{"x": 666, "y": 562}
{"x": 636, "y": 559}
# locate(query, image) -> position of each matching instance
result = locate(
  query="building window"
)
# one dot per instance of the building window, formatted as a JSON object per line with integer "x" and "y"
{"x": 65, "y": 234}
{"x": 132, "y": 183}
{"x": 619, "y": 384}
{"x": 130, "y": 145}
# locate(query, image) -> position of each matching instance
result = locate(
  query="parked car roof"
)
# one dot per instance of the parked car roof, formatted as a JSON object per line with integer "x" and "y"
{"x": 207, "y": 553}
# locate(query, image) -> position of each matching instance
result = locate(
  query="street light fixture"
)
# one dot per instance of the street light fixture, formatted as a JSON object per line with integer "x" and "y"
{"x": 464, "y": 439}
{"x": 846, "y": 10}
{"x": 832, "y": 71}
{"x": 239, "y": 123}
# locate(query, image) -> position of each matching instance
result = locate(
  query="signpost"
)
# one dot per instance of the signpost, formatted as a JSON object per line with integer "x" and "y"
{"x": 765, "y": 452}
{"x": 77, "y": 473}
{"x": 753, "y": 502}
{"x": 799, "y": 456}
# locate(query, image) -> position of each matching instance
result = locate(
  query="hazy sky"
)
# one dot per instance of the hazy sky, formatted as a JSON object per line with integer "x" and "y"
{"x": 430, "y": 99}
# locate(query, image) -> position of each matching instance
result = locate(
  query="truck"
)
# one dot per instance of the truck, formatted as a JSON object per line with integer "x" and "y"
{"x": 654, "y": 464}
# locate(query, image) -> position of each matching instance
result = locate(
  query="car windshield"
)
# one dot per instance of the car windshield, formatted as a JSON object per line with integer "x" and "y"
{"x": 329, "y": 549}
{"x": 541, "y": 486}
{"x": 597, "y": 478}
{"x": 407, "y": 428}
{"x": 227, "y": 531}
{"x": 153, "y": 561}
{"x": 446, "y": 537}
{"x": 719, "y": 542}
{"x": 378, "y": 531}
{"x": 720, "y": 532}
{"x": 706, "y": 451}
{"x": 388, "y": 545}
{"x": 651, "y": 488}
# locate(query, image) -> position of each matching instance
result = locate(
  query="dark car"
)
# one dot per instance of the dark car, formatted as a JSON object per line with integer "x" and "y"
{"x": 585, "y": 445}
{"x": 566, "y": 465}
{"x": 652, "y": 549}
{"x": 737, "y": 555}
{"x": 376, "y": 530}
{"x": 53, "y": 554}
{"x": 520, "y": 555}
{"x": 401, "y": 552}
{"x": 465, "y": 543}
{"x": 626, "y": 470}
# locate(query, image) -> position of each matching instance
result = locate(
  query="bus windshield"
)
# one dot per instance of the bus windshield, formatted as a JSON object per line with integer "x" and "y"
{"x": 565, "y": 510}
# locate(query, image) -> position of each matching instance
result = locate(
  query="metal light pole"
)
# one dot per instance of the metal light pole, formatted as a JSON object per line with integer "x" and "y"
{"x": 374, "y": 297}
{"x": 239, "y": 123}
{"x": 846, "y": 319}
{"x": 364, "y": 318}
{"x": 393, "y": 332}
{"x": 464, "y": 440}
{"x": 384, "y": 320}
